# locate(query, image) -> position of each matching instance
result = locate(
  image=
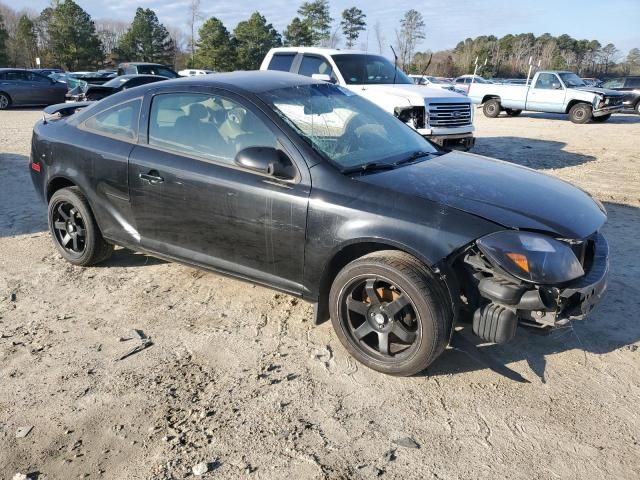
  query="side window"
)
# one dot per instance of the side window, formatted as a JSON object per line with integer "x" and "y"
{"x": 311, "y": 64}
{"x": 39, "y": 78}
{"x": 209, "y": 126}
{"x": 546, "y": 81}
{"x": 633, "y": 82}
{"x": 615, "y": 83}
{"x": 16, "y": 76}
{"x": 120, "y": 121}
{"x": 281, "y": 61}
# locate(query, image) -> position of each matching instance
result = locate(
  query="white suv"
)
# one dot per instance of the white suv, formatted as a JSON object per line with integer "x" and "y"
{"x": 442, "y": 116}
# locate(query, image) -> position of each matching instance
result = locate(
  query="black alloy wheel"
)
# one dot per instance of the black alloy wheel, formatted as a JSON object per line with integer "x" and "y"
{"x": 390, "y": 312}
{"x": 69, "y": 228}
{"x": 74, "y": 229}
{"x": 380, "y": 318}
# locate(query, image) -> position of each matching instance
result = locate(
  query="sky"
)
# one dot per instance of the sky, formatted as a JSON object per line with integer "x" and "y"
{"x": 447, "y": 21}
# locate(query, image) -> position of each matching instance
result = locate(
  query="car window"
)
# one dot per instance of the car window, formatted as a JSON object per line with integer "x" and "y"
{"x": 15, "y": 76}
{"x": 209, "y": 126}
{"x": 614, "y": 83}
{"x": 120, "y": 121}
{"x": 156, "y": 70}
{"x": 312, "y": 64}
{"x": 281, "y": 61}
{"x": 546, "y": 81}
{"x": 633, "y": 82}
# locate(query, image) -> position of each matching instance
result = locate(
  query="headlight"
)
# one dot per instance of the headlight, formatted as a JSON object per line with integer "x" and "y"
{"x": 531, "y": 257}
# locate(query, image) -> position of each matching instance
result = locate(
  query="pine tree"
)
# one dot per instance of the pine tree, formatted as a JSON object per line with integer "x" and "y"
{"x": 216, "y": 50}
{"x": 254, "y": 38}
{"x": 147, "y": 40}
{"x": 317, "y": 17}
{"x": 298, "y": 34}
{"x": 352, "y": 24}
{"x": 73, "y": 41}
{"x": 3, "y": 42}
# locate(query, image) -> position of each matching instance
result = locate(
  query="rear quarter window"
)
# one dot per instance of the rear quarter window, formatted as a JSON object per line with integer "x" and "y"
{"x": 632, "y": 82}
{"x": 281, "y": 62}
{"x": 120, "y": 121}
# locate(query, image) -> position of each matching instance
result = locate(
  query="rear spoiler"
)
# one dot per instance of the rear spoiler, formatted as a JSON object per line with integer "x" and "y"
{"x": 65, "y": 109}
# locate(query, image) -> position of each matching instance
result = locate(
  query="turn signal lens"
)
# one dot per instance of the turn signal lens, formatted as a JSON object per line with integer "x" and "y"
{"x": 520, "y": 260}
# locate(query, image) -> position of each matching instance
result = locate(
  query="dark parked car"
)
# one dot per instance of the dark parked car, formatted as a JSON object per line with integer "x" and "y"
{"x": 19, "y": 87}
{"x": 630, "y": 86}
{"x": 305, "y": 187}
{"x": 97, "y": 92}
{"x": 144, "y": 68}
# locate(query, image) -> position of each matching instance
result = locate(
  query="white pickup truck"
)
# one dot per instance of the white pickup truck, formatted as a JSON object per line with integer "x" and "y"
{"x": 552, "y": 92}
{"x": 442, "y": 116}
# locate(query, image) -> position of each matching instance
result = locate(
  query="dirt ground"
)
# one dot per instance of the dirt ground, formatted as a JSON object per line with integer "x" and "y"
{"x": 237, "y": 376}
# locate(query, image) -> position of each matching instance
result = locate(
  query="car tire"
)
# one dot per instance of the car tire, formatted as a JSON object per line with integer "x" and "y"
{"x": 638, "y": 108}
{"x": 74, "y": 229}
{"x": 390, "y": 313}
{"x": 5, "y": 101}
{"x": 581, "y": 113}
{"x": 513, "y": 113}
{"x": 602, "y": 118}
{"x": 492, "y": 108}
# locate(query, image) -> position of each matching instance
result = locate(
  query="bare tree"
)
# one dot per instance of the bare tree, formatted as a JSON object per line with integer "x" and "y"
{"x": 195, "y": 15}
{"x": 109, "y": 32}
{"x": 412, "y": 30}
{"x": 377, "y": 30}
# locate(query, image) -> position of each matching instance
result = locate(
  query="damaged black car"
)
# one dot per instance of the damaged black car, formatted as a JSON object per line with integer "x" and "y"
{"x": 305, "y": 187}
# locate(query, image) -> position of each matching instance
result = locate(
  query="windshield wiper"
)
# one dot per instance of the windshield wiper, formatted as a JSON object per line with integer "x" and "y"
{"x": 416, "y": 155}
{"x": 368, "y": 167}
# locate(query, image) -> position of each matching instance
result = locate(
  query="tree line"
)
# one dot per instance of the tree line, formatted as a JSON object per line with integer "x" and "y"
{"x": 64, "y": 35}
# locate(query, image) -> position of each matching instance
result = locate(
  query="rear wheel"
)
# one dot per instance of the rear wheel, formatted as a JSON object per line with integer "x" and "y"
{"x": 5, "y": 101}
{"x": 390, "y": 313}
{"x": 602, "y": 118}
{"x": 581, "y": 113}
{"x": 513, "y": 113}
{"x": 491, "y": 108}
{"x": 74, "y": 229}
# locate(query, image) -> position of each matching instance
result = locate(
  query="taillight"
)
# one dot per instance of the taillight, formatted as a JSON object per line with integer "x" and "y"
{"x": 35, "y": 167}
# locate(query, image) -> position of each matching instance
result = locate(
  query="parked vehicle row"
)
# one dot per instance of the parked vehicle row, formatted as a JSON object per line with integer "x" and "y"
{"x": 548, "y": 91}
{"x": 20, "y": 87}
{"x": 306, "y": 187}
{"x": 89, "y": 92}
{"x": 630, "y": 88}
{"x": 434, "y": 82}
{"x": 442, "y": 116}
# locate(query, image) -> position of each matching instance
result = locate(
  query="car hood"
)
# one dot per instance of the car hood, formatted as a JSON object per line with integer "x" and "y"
{"x": 503, "y": 193}
{"x": 414, "y": 94}
{"x": 601, "y": 91}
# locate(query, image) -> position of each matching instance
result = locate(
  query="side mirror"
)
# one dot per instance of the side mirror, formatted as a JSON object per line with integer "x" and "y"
{"x": 266, "y": 160}
{"x": 323, "y": 77}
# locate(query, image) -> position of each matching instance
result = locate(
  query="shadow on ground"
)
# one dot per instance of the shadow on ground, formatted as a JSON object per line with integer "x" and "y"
{"x": 610, "y": 327}
{"x": 530, "y": 152}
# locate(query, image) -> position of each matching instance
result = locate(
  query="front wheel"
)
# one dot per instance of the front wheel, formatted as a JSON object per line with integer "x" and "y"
{"x": 390, "y": 313}
{"x": 581, "y": 113}
{"x": 602, "y": 118}
{"x": 491, "y": 108}
{"x": 74, "y": 229}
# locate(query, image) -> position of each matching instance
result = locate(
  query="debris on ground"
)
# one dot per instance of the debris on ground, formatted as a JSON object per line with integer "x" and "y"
{"x": 136, "y": 334}
{"x": 22, "y": 432}
{"x": 200, "y": 469}
{"x": 20, "y": 476}
{"x": 407, "y": 442}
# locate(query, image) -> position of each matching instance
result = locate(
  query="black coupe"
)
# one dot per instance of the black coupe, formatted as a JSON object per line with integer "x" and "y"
{"x": 305, "y": 187}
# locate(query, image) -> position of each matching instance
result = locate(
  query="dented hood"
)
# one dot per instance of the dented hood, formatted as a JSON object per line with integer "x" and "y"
{"x": 600, "y": 91}
{"x": 413, "y": 94}
{"x": 506, "y": 194}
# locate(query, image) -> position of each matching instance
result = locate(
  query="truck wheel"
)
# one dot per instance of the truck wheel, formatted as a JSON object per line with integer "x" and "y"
{"x": 602, "y": 118}
{"x": 581, "y": 113}
{"x": 74, "y": 229}
{"x": 491, "y": 108}
{"x": 512, "y": 113}
{"x": 390, "y": 313}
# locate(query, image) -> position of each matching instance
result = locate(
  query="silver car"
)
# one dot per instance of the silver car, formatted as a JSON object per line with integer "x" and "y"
{"x": 20, "y": 87}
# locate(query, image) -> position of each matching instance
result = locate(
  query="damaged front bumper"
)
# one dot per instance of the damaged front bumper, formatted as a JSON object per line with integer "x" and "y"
{"x": 507, "y": 304}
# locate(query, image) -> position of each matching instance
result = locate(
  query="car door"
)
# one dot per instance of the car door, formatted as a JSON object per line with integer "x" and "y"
{"x": 547, "y": 94}
{"x": 45, "y": 92}
{"x": 192, "y": 202}
{"x": 14, "y": 82}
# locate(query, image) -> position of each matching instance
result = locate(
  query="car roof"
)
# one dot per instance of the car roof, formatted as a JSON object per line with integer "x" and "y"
{"x": 254, "y": 81}
{"x": 320, "y": 50}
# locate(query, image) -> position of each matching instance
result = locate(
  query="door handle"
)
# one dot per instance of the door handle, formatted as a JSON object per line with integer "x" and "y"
{"x": 152, "y": 177}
